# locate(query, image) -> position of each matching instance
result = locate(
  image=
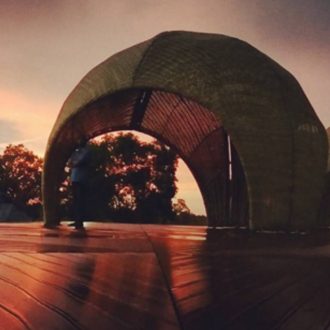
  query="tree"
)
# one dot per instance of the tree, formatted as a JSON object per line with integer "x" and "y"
{"x": 129, "y": 180}
{"x": 184, "y": 215}
{"x": 144, "y": 177}
{"x": 181, "y": 207}
{"x": 20, "y": 178}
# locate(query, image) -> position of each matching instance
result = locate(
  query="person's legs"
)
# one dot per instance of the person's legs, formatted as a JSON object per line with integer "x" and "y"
{"x": 78, "y": 204}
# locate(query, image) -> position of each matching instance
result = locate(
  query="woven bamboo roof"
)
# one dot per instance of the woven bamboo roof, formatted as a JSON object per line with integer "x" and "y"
{"x": 187, "y": 89}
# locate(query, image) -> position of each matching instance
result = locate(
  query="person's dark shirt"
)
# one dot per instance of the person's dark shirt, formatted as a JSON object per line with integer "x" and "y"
{"x": 80, "y": 160}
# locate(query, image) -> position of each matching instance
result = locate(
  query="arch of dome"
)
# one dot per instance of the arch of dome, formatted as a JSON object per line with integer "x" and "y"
{"x": 240, "y": 121}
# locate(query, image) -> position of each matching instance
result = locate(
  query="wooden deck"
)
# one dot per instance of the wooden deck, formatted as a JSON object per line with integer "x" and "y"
{"x": 161, "y": 277}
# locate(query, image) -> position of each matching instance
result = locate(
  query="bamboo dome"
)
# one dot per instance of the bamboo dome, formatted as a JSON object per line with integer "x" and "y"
{"x": 240, "y": 121}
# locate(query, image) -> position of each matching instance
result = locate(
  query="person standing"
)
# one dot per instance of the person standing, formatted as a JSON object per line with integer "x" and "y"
{"x": 80, "y": 162}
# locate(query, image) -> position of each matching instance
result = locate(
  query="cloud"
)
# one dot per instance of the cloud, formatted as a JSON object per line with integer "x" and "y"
{"x": 29, "y": 11}
{"x": 9, "y": 131}
{"x": 47, "y": 46}
{"x": 26, "y": 120}
{"x": 303, "y": 24}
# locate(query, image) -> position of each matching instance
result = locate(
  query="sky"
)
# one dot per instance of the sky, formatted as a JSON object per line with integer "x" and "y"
{"x": 47, "y": 46}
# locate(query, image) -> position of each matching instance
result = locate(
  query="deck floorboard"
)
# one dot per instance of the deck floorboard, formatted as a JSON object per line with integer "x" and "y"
{"x": 121, "y": 276}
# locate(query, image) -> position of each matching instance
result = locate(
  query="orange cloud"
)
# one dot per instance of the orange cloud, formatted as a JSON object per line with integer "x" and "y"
{"x": 33, "y": 119}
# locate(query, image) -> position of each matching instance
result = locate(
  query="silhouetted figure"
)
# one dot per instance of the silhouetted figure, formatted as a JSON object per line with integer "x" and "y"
{"x": 80, "y": 161}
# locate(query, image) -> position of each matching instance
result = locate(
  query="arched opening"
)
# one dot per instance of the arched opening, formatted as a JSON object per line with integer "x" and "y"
{"x": 184, "y": 88}
{"x": 193, "y": 131}
{"x": 189, "y": 190}
{"x": 134, "y": 178}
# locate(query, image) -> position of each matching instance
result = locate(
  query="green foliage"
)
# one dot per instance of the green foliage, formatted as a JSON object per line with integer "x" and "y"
{"x": 130, "y": 180}
{"x": 180, "y": 207}
{"x": 20, "y": 178}
{"x": 184, "y": 215}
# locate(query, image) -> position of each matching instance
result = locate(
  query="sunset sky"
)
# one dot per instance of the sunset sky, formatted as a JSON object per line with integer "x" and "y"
{"x": 47, "y": 46}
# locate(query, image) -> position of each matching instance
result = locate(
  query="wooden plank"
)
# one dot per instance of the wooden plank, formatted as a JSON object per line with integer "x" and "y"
{"x": 160, "y": 277}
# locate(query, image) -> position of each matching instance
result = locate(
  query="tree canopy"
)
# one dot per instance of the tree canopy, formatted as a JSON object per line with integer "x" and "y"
{"x": 20, "y": 178}
{"x": 129, "y": 180}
